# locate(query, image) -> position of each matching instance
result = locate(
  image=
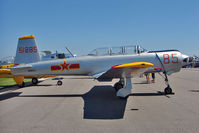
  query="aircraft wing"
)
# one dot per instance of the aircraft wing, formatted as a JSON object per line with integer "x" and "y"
{"x": 124, "y": 70}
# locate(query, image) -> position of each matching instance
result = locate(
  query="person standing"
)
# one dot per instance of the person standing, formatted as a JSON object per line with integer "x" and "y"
{"x": 153, "y": 77}
{"x": 147, "y": 77}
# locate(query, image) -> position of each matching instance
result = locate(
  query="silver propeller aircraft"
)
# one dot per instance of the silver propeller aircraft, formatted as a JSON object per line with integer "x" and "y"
{"x": 102, "y": 64}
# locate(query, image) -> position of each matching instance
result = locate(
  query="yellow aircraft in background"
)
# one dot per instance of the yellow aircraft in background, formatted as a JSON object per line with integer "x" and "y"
{"x": 6, "y": 73}
{"x": 6, "y": 66}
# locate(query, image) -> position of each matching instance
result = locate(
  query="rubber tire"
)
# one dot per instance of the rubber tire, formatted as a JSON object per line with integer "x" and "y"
{"x": 118, "y": 86}
{"x": 22, "y": 85}
{"x": 59, "y": 83}
{"x": 168, "y": 90}
{"x": 34, "y": 81}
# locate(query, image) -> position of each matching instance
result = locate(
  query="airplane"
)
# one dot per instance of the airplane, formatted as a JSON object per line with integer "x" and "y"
{"x": 6, "y": 62}
{"x": 103, "y": 64}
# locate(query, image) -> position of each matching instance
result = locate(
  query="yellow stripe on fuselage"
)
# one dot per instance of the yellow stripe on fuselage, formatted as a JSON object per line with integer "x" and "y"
{"x": 135, "y": 65}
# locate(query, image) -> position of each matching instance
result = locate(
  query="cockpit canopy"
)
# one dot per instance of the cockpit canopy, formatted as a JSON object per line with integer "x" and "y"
{"x": 123, "y": 50}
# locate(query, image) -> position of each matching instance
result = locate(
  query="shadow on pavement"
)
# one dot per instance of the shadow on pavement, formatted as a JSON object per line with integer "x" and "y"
{"x": 149, "y": 94}
{"x": 99, "y": 103}
{"x": 6, "y": 86}
{"x": 159, "y": 93}
{"x": 9, "y": 95}
{"x": 194, "y": 90}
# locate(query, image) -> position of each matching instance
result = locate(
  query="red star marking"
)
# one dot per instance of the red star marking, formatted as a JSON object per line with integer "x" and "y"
{"x": 64, "y": 66}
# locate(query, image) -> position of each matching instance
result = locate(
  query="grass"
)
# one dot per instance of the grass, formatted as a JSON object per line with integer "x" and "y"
{"x": 5, "y": 82}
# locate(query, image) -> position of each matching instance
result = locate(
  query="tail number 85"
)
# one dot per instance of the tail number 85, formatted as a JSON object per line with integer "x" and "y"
{"x": 170, "y": 58}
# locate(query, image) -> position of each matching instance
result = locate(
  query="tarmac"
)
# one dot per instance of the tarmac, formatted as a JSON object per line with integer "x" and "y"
{"x": 82, "y": 105}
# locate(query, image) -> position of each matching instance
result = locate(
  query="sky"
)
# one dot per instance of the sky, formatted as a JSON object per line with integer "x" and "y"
{"x": 83, "y": 25}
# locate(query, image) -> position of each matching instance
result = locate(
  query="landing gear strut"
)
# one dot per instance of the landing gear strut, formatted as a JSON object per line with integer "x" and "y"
{"x": 21, "y": 85}
{"x": 168, "y": 89}
{"x": 123, "y": 87}
{"x": 34, "y": 81}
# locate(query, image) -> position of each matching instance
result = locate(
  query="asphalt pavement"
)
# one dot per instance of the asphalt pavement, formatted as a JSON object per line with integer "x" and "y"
{"x": 83, "y": 105}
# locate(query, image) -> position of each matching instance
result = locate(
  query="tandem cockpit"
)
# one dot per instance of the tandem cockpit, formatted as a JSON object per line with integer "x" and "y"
{"x": 123, "y": 50}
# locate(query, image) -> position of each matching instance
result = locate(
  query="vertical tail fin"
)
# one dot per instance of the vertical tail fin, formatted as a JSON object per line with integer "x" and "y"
{"x": 27, "y": 51}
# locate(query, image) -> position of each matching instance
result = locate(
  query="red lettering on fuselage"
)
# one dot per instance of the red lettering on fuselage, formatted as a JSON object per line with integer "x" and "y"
{"x": 173, "y": 58}
{"x": 28, "y": 49}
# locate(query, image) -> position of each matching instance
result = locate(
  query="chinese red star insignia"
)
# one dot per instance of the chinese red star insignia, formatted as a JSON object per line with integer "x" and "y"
{"x": 64, "y": 66}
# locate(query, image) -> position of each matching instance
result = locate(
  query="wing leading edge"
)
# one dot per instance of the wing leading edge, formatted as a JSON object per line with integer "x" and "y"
{"x": 124, "y": 70}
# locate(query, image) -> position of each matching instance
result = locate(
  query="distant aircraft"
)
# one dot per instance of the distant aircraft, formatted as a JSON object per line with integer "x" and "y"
{"x": 6, "y": 62}
{"x": 103, "y": 64}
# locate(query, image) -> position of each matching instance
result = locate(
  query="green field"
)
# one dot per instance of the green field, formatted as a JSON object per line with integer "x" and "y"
{"x": 5, "y": 82}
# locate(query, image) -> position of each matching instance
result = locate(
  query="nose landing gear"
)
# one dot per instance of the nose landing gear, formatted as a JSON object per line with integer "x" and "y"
{"x": 168, "y": 89}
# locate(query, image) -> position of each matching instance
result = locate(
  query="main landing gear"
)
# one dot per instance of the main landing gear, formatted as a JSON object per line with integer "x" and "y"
{"x": 34, "y": 81}
{"x": 168, "y": 89}
{"x": 21, "y": 85}
{"x": 123, "y": 88}
{"x": 59, "y": 82}
{"x": 119, "y": 85}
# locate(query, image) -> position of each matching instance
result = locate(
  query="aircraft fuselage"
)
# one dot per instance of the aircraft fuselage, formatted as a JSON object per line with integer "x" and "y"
{"x": 86, "y": 65}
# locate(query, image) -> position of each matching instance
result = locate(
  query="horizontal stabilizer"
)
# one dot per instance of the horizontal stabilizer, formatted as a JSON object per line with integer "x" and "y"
{"x": 22, "y": 67}
{"x": 5, "y": 71}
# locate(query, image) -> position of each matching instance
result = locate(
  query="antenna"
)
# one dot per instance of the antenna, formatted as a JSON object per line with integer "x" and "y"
{"x": 69, "y": 52}
{"x": 138, "y": 42}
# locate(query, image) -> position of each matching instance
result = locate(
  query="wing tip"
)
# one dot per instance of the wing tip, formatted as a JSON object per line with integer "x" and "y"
{"x": 134, "y": 64}
{"x": 27, "y": 37}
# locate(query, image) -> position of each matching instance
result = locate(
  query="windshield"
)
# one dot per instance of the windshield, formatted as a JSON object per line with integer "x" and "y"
{"x": 123, "y": 50}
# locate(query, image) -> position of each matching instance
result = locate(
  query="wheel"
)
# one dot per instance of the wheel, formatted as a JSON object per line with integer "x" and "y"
{"x": 59, "y": 83}
{"x": 34, "y": 81}
{"x": 118, "y": 86}
{"x": 21, "y": 85}
{"x": 168, "y": 90}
